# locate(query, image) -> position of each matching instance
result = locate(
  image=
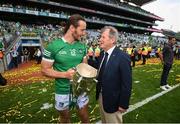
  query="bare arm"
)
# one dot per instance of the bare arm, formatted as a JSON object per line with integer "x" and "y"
{"x": 46, "y": 69}
{"x": 85, "y": 59}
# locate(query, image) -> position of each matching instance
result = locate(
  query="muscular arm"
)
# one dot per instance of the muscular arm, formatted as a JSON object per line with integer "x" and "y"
{"x": 46, "y": 69}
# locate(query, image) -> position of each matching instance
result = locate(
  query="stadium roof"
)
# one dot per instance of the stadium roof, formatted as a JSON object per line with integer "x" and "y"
{"x": 139, "y": 2}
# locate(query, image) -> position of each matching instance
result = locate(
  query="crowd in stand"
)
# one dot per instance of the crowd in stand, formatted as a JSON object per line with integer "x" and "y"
{"x": 111, "y": 2}
{"x": 66, "y": 14}
{"x": 138, "y": 46}
{"x": 128, "y": 42}
{"x": 62, "y": 13}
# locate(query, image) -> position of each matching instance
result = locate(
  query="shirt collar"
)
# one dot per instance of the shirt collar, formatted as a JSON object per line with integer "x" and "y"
{"x": 65, "y": 41}
{"x": 110, "y": 50}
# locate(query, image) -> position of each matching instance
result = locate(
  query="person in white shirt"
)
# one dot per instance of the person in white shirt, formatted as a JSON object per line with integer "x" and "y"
{"x": 14, "y": 55}
{"x": 38, "y": 56}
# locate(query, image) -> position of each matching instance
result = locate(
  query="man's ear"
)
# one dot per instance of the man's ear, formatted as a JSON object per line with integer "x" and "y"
{"x": 113, "y": 40}
{"x": 72, "y": 28}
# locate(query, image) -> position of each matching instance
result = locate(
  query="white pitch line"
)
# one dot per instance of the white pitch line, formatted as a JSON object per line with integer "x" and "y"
{"x": 147, "y": 100}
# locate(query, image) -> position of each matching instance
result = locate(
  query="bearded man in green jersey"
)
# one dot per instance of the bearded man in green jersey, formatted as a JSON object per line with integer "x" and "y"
{"x": 59, "y": 58}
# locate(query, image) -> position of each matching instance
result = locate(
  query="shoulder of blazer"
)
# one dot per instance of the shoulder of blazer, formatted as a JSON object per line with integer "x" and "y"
{"x": 121, "y": 53}
{"x": 118, "y": 51}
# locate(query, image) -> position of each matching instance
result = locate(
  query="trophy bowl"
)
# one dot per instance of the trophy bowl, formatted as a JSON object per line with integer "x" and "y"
{"x": 83, "y": 79}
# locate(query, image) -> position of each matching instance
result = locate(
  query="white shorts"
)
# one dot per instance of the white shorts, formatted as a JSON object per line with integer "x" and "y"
{"x": 62, "y": 101}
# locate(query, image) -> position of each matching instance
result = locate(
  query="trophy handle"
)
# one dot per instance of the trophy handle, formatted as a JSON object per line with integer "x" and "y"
{"x": 95, "y": 80}
{"x": 80, "y": 79}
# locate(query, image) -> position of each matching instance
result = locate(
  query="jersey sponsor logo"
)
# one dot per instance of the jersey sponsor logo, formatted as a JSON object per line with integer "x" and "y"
{"x": 62, "y": 52}
{"x": 61, "y": 104}
{"x": 73, "y": 52}
{"x": 80, "y": 51}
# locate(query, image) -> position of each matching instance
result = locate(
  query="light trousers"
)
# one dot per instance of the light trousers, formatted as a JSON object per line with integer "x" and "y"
{"x": 115, "y": 117}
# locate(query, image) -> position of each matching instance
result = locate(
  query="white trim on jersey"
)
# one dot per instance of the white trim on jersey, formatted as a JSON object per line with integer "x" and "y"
{"x": 49, "y": 60}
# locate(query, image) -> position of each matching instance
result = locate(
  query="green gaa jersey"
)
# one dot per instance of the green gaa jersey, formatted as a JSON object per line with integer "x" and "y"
{"x": 64, "y": 56}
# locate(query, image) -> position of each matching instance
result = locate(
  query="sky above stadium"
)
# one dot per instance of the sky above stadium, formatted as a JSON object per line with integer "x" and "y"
{"x": 167, "y": 9}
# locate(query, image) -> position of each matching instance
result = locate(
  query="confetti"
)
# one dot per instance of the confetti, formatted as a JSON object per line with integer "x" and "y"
{"x": 46, "y": 106}
{"x": 136, "y": 82}
{"x": 30, "y": 103}
{"x": 137, "y": 116}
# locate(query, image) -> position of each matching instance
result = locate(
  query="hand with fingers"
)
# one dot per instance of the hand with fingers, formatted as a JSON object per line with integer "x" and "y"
{"x": 120, "y": 109}
{"x": 70, "y": 73}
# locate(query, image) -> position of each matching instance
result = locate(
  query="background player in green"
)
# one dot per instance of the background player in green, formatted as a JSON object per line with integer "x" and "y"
{"x": 59, "y": 58}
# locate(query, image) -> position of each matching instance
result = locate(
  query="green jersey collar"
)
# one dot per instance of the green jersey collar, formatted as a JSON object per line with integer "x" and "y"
{"x": 65, "y": 41}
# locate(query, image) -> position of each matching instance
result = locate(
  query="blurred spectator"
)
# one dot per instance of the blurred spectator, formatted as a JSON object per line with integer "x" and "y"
{"x": 26, "y": 55}
{"x": 3, "y": 81}
{"x": 38, "y": 55}
{"x": 14, "y": 55}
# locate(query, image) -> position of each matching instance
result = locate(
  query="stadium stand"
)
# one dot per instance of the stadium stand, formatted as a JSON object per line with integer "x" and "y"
{"x": 40, "y": 21}
{"x": 124, "y": 16}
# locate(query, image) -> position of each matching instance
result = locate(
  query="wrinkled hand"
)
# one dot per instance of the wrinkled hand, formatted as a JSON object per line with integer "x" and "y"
{"x": 121, "y": 110}
{"x": 70, "y": 73}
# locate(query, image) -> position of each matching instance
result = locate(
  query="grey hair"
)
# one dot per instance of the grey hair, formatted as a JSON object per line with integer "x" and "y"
{"x": 113, "y": 32}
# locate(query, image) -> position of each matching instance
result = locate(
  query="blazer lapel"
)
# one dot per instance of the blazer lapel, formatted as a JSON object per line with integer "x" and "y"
{"x": 111, "y": 59}
{"x": 100, "y": 59}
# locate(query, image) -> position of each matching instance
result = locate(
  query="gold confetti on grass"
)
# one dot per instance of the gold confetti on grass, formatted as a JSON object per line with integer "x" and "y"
{"x": 150, "y": 61}
{"x": 30, "y": 74}
{"x": 35, "y": 87}
{"x": 12, "y": 112}
{"x": 30, "y": 115}
{"x": 154, "y": 70}
{"x": 94, "y": 118}
{"x": 136, "y": 81}
{"x": 23, "y": 72}
{"x": 178, "y": 79}
{"x": 96, "y": 106}
{"x": 178, "y": 76}
{"x": 29, "y": 103}
{"x": 38, "y": 112}
{"x": 137, "y": 115}
{"x": 53, "y": 119}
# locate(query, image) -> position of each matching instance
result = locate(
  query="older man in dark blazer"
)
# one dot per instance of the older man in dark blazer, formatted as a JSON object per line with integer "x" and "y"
{"x": 114, "y": 79}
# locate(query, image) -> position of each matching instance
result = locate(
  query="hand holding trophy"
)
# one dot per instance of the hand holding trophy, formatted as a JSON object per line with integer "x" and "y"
{"x": 82, "y": 80}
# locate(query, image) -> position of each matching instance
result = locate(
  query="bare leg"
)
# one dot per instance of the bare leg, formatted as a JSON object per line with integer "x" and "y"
{"x": 83, "y": 114}
{"x": 64, "y": 116}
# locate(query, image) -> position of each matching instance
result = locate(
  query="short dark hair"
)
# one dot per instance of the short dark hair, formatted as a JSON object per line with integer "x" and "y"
{"x": 170, "y": 38}
{"x": 73, "y": 20}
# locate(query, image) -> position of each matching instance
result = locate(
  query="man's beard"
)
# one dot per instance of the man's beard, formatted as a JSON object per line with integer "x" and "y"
{"x": 75, "y": 36}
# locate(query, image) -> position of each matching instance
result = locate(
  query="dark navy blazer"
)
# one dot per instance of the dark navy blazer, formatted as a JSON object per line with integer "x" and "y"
{"x": 116, "y": 81}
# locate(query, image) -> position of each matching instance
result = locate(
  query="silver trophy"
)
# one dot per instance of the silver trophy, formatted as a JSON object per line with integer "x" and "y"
{"x": 83, "y": 79}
